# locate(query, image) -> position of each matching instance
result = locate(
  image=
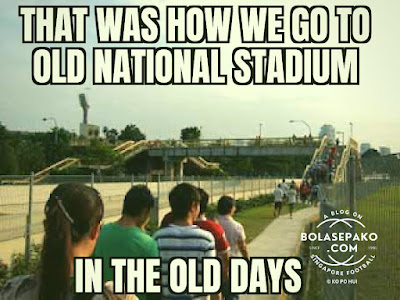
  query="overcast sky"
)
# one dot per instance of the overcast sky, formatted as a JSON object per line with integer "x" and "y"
{"x": 222, "y": 111}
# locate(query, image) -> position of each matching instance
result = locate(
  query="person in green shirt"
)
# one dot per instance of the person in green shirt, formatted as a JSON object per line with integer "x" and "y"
{"x": 126, "y": 237}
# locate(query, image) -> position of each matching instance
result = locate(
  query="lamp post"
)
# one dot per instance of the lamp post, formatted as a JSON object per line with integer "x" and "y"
{"x": 303, "y": 122}
{"x": 342, "y": 134}
{"x": 55, "y": 127}
{"x": 261, "y": 124}
{"x": 351, "y": 129}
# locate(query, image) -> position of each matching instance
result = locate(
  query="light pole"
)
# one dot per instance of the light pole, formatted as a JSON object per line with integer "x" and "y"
{"x": 303, "y": 122}
{"x": 351, "y": 129}
{"x": 342, "y": 134}
{"x": 261, "y": 124}
{"x": 55, "y": 127}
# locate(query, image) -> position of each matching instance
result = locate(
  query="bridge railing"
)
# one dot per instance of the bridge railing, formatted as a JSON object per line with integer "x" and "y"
{"x": 264, "y": 142}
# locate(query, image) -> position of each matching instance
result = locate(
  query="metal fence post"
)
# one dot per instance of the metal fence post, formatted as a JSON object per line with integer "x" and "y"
{"x": 352, "y": 184}
{"x": 352, "y": 198}
{"x": 212, "y": 189}
{"x": 234, "y": 189}
{"x": 156, "y": 207}
{"x": 92, "y": 180}
{"x": 251, "y": 188}
{"x": 244, "y": 189}
{"x": 259, "y": 185}
{"x": 29, "y": 220}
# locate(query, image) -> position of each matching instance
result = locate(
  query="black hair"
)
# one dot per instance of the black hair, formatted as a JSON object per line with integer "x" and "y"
{"x": 225, "y": 205}
{"x": 203, "y": 200}
{"x": 138, "y": 200}
{"x": 71, "y": 212}
{"x": 181, "y": 199}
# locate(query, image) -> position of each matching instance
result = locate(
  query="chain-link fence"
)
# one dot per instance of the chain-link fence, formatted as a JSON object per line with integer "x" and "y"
{"x": 22, "y": 199}
{"x": 365, "y": 267}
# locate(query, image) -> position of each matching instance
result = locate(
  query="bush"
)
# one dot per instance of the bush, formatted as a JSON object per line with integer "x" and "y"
{"x": 3, "y": 274}
{"x": 19, "y": 266}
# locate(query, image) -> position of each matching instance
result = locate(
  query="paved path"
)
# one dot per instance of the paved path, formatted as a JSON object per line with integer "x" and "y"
{"x": 280, "y": 238}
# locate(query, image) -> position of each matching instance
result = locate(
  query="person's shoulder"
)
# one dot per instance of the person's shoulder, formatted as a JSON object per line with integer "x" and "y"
{"x": 20, "y": 287}
{"x": 158, "y": 233}
{"x": 109, "y": 295}
{"x": 107, "y": 229}
{"x": 237, "y": 224}
{"x": 165, "y": 232}
{"x": 146, "y": 239}
{"x": 204, "y": 233}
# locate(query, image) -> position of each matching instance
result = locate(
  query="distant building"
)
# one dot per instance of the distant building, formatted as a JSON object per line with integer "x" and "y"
{"x": 86, "y": 130}
{"x": 89, "y": 131}
{"x": 364, "y": 147}
{"x": 329, "y": 131}
{"x": 384, "y": 151}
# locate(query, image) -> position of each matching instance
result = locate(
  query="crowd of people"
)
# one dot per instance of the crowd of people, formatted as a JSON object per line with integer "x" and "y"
{"x": 324, "y": 168}
{"x": 306, "y": 193}
{"x": 74, "y": 228}
{"x": 285, "y": 193}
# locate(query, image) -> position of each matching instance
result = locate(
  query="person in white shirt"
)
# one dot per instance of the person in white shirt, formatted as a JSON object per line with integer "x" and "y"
{"x": 291, "y": 199}
{"x": 284, "y": 188}
{"x": 278, "y": 194}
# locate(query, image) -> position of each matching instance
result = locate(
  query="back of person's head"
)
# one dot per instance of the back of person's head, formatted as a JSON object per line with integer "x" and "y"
{"x": 182, "y": 198}
{"x": 138, "y": 201}
{"x": 203, "y": 200}
{"x": 225, "y": 205}
{"x": 279, "y": 185}
{"x": 72, "y": 214}
{"x": 283, "y": 180}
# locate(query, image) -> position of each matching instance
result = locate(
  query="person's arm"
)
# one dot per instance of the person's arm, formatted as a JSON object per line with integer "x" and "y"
{"x": 225, "y": 263}
{"x": 242, "y": 245}
{"x": 241, "y": 242}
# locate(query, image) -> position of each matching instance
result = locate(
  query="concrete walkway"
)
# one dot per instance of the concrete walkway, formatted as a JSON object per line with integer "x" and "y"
{"x": 280, "y": 238}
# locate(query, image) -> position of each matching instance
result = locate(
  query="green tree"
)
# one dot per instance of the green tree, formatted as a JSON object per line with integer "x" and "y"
{"x": 31, "y": 156}
{"x": 111, "y": 134}
{"x": 190, "y": 134}
{"x": 8, "y": 158}
{"x": 371, "y": 153}
{"x": 98, "y": 153}
{"x": 131, "y": 133}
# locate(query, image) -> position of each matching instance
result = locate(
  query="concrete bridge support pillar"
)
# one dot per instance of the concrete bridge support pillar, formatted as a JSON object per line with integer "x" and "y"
{"x": 173, "y": 168}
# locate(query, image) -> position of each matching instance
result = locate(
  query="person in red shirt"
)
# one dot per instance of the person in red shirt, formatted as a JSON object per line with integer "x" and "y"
{"x": 221, "y": 243}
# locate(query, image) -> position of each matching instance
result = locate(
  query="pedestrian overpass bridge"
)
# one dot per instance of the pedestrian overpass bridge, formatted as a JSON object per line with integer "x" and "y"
{"x": 235, "y": 147}
{"x": 175, "y": 153}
